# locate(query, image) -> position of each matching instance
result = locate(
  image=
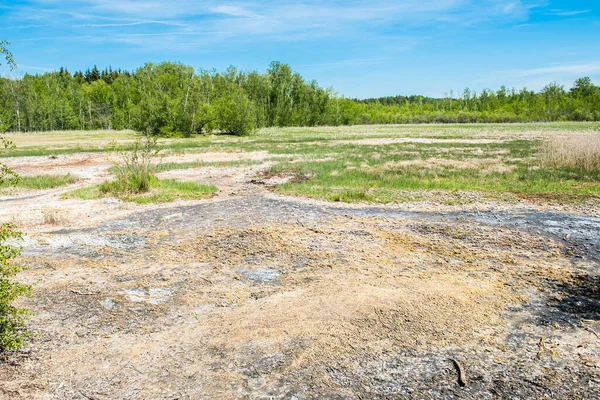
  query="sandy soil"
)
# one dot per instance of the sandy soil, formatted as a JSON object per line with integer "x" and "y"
{"x": 255, "y": 295}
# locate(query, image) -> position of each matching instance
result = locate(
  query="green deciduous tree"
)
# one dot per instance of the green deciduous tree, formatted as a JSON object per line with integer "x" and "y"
{"x": 171, "y": 99}
{"x": 235, "y": 112}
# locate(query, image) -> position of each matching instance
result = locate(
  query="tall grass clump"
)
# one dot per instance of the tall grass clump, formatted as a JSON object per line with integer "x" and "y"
{"x": 134, "y": 168}
{"x": 580, "y": 151}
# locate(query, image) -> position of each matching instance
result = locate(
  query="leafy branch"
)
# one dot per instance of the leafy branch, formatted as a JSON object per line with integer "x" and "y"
{"x": 7, "y": 54}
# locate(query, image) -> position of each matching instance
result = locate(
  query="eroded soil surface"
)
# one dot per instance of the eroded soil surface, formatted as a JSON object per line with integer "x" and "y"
{"x": 255, "y": 295}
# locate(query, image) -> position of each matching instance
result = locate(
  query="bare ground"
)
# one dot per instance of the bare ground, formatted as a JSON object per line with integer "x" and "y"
{"x": 255, "y": 295}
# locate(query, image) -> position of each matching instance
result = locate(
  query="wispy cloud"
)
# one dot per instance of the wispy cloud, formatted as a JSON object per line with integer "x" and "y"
{"x": 54, "y": 38}
{"x": 133, "y": 23}
{"x": 186, "y": 23}
{"x": 233, "y": 11}
{"x": 537, "y": 77}
{"x": 567, "y": 69}
{"x": 282, "y": 16}
{"x": 22, "y": 67}
{"x": 568, "y": 13}
{"x": 30, "y": 26}
{"x": 351, "y": 62}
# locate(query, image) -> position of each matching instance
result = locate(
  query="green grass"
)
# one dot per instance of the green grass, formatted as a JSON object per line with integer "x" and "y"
{"x": 352, "y": 173}
{"x": 333, "y": 164}
{"x": 161, "y": 191}
{"x": 277, "y": 140}
{"x": 41, "y": 181}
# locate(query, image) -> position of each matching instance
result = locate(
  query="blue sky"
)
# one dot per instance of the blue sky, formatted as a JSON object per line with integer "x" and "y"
{"x": 360, "y": 48}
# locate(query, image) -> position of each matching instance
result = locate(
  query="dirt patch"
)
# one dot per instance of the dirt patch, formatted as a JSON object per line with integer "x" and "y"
{"x": 255, "y": 295}
{"x": 304, "y": 308}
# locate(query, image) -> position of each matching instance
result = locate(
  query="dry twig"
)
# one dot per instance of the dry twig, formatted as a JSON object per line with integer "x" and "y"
{"x": 84, "y": 293}
{"x": 462, "y": 379}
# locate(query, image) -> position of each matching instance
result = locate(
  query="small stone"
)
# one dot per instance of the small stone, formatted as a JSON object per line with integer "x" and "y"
{"x": 108, "y": 303}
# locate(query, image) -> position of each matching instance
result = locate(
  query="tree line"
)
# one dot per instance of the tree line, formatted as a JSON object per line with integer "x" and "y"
{"x": 172, "y": 99}
{"x": 552, "y": 103}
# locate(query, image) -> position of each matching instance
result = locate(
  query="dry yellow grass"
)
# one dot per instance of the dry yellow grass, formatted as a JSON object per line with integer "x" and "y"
{"x": 54, "y": 216}
{"x": 580, "y": 150}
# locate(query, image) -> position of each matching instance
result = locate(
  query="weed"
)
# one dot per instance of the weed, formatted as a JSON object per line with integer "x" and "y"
{"x": 134, "y": 168}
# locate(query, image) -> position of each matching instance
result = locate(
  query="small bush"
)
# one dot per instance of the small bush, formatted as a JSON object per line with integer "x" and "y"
{"x": 580, "y": 151}
{"x": 134, "y": 169}
{"x": 13, "y": 333}
{"x": 6, "y": 174}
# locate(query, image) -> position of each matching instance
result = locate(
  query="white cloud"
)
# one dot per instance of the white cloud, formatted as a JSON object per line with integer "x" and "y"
{"x": 351, "y": 62}
{"x": 568, "y": 69}
{"x": 270, "y": 20}
{"x": 33, "y": 68}
{"x": 324, "y": 10}
{"x": 234, "y": 11}
{"x": 538, "y": 77}
{"x": 567, "y": 13}
{"x": 30, "y": 26}
{"x": 133, "y": 23}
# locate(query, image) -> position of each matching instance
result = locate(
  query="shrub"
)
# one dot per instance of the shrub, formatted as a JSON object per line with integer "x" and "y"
{"x": 13, "y": 332}
{"x": 134, "y": 168}
{"x": 6, "y": 174}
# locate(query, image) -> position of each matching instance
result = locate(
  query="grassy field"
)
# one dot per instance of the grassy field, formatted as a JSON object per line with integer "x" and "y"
{"x": 57, "y": 143}
{"x": 384, "y": 172}
{"x": 387, "y": 163}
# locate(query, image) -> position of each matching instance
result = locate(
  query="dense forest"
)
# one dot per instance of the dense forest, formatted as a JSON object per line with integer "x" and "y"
{"x": 172, "y": 99}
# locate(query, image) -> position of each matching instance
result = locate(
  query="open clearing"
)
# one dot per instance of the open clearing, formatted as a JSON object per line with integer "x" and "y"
{"x": 447, "y": 244}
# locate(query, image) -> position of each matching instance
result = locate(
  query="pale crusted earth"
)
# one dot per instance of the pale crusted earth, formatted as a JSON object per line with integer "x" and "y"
{"x": 251, "y": 294}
